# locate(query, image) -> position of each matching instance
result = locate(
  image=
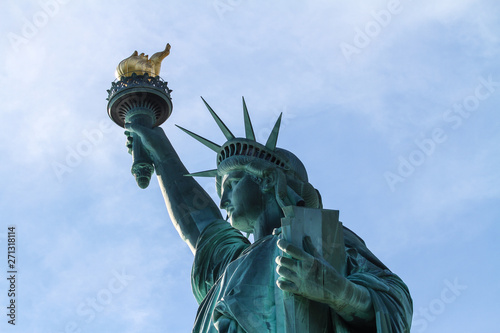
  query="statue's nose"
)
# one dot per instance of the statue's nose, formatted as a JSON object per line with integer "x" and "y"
{"x": 224, "y": 200}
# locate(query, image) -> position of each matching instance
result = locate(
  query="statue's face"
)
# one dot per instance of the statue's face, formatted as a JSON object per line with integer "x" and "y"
{"x": 242, "y": 198}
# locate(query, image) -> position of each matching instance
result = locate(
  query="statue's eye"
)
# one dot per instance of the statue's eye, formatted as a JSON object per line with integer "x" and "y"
{"x": 230, "y": 183}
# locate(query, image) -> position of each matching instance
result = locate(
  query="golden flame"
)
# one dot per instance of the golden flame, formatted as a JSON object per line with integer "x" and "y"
{"x": 140, "y": 64}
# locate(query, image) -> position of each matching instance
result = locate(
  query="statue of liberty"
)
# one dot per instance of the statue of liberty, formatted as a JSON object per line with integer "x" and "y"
{"x": 241, "y": 287}
{"x": 304, "y": 272}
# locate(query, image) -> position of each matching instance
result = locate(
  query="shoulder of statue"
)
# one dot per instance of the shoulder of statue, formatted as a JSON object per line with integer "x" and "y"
{"x": 218, "y": 232}
{"x": 352, "y": 239}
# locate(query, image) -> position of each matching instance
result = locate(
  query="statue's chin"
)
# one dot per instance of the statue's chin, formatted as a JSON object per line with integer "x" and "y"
{"x": 242, "y": 226}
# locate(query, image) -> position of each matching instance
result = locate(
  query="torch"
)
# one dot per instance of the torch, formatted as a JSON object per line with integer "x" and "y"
{"x": 140, "y": 96}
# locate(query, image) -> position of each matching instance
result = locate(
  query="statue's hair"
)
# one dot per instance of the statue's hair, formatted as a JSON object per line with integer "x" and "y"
{"x": 304, "y": 194}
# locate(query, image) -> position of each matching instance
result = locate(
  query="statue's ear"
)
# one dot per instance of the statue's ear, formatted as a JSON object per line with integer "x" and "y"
{"x": 269, "y": 181}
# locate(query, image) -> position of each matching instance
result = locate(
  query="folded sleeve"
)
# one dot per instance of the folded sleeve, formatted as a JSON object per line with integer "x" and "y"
{"x": 218, "y": 245}
{"x": 390, "y": 296}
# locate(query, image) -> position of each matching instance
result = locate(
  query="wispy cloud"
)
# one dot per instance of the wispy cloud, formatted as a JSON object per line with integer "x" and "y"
{"x": 349, "y": 121}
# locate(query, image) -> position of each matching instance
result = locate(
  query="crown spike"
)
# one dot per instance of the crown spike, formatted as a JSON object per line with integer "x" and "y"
{"x": 273, "y": 137}
{"x": 208, "y": 173}
{"x": 219, "y": 122}
{"x": 249, "y": 133}
{"x": 215, "y": 147}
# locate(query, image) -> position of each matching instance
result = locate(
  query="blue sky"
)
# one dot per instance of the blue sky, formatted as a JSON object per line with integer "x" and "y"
{"x": 391, "y": 105}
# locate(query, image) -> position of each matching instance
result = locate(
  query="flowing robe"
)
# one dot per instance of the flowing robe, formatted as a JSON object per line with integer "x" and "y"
{"x": 235, "y": 284}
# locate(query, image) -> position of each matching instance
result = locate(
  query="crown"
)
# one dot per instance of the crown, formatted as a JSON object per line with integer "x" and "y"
{"x": 247, "y": 146}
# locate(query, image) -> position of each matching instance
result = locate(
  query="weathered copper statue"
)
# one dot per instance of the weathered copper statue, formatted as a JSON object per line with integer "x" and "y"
{"x": 339, "y": 286}
{"x": 235, "y": 281}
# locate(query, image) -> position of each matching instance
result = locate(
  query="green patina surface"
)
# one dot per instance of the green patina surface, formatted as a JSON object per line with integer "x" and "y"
{"x": 312, "y": 275}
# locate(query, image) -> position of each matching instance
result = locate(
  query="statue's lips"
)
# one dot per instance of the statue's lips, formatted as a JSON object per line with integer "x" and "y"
{"x": 229, "y": 211}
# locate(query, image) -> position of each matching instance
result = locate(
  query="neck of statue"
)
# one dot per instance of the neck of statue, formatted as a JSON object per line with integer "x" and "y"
{"x": 268, "y": 220}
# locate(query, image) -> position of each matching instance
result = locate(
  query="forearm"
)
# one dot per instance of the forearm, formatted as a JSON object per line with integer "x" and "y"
{"x": 189, "y": 206}
{"x": 353, "y": 303}
{"x": 311, "y": 276}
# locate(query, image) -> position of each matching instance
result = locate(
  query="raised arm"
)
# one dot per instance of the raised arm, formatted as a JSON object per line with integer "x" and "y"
{"x": 189, "y": 206}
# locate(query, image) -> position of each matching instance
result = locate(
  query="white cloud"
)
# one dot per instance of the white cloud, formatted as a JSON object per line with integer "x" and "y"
{"x": 282, "y": 57}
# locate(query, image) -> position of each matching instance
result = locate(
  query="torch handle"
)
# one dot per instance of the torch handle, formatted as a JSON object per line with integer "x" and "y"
{"x": 142, "y": 165}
